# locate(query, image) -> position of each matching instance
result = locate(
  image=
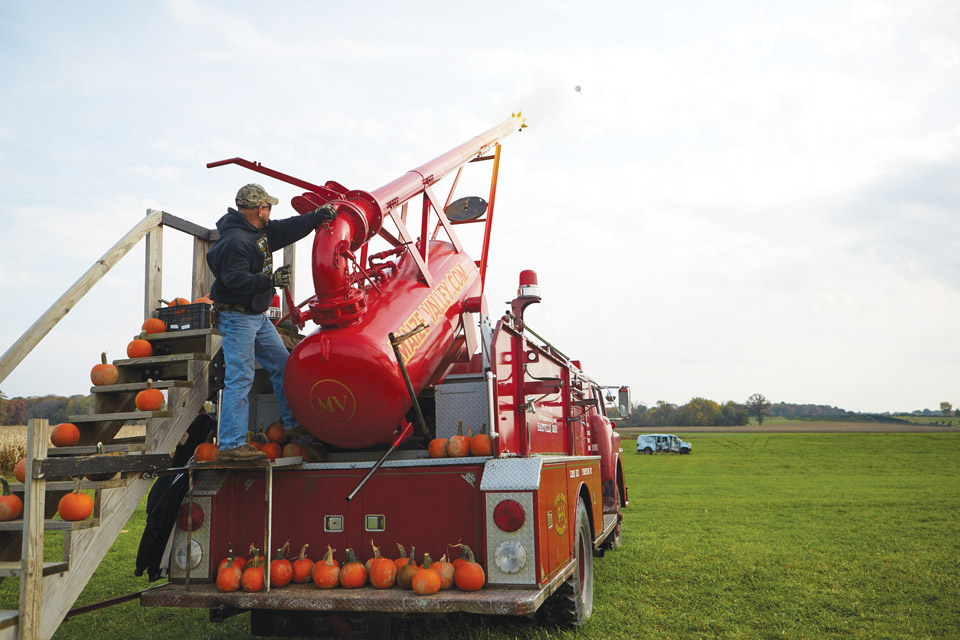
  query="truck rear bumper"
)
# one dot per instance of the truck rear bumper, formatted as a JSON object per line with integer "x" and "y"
{"x": 307, "y": 597}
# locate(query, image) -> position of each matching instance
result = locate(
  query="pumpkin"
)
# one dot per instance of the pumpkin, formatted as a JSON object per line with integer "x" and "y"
{"x": 104, "y": 373}
{"x": 316, "y": 452}
{"x": 326, "y": 573}
{"x": 205, "y": 299}
{"x": 11, "y": 506}
{"x": 252, "y": 578}
{"x": 426, "y": 581}
{"x": 403, "y": 559}
{"x": 353, "y": 574}
{"x": 75, "y": 506}
{"x": 446, "y": 571}
{"x": 229, "y": 576}
{"x": 459, "y": 445}
{"x": 107, "y": 475}
{"x": 177, "y": 302}
{"x": 281, "y": 571}
{"x": 154, "y": 325}
{"x": 272, "y": 450}
{"x": 437, "y": 448}
{"x": 481, "y": 445}
{"x": 276, "y": 433}
{"x": 20, "y": 471}
{"x": 302, "y": 566}
{"x": 382, "y": 571}
{"x": 206, "y": 452}
{"x": 407, "y": 571}
{"x": 139, "y": 348}
{"x": 65, "y": 434}
{"x": 469, "y": 575}
{"x": 238, "y": 562}
{"x": 292, "y": 450}
{"x": 149, "y": 399}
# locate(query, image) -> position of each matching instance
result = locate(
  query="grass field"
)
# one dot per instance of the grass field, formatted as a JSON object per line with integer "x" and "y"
{"x": 844, "y": 535}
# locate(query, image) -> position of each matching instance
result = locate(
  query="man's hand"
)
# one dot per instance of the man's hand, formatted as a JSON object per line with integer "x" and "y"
{"x": 326, "y": 213}
{"x": 281, "y": 277}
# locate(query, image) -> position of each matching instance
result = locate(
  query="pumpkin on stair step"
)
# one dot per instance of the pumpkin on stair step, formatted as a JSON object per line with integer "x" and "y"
{"x": 149, "y": 399}
{"x": 104, "y": 373}
{"x": 75, "y": 506}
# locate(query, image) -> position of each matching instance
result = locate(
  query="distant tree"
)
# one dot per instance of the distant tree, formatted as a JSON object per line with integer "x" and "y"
{"x": 946, "y": 408}
{"x": 699, "y": 412}
{"x": 757, "y": 405}
{"x": 16, "y": 410}
{"x": 733, "y": 415}
{"x": 3, "y": 408}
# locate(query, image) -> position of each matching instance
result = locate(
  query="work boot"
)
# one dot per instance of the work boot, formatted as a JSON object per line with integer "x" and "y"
{"x": 243, "y": 453}
{"x": 297, "y": 432}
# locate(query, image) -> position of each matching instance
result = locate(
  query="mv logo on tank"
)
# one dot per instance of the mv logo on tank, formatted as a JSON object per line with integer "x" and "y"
{"x": 333, "y": 401}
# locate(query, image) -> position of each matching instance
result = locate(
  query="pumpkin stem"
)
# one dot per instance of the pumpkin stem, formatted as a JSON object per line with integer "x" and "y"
{"x": 413, "y": 555}
{"x": 303, "y": 552}
{"x": 77, "y": 490}
{"x": 103, "y": 357}
{"x": 99, "y": 447}
{"x": 376, "y": 550}
{"x": 255, "y": 561}
{"x": 459, "y": 427}
{"x": 427, "y": 561}
{"x": 469, "y": 434}
{"x": 150, "y": 386}
{"x": 403, "y": 552}
{"x": 6, "y": 486}
{"x": 282, "y": 550}
{"x": 328, "y": 556}
{"x": 350, "y": 557}
{"x": 467, "y": 552}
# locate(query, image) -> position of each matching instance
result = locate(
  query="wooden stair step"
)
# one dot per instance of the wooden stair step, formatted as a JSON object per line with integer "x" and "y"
{"x": 173, "y": 358}
{"x": 125, "y": 416}
{"x": 90, "y": 450}
{"x": 13, "y": 569}
{"x": 9, "y": 617}
{"x": 139, "y": 386}
{"x": 178, "y": 335}
{"x": 53, "y": 525}
{"x": 79, "y": 466}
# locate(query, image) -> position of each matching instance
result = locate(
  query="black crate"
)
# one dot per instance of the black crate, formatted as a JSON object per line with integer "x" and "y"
{"x": 186, "y": 316}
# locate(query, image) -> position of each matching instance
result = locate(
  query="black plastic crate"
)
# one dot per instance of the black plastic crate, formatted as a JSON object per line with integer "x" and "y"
{"x": 187, "y": 316}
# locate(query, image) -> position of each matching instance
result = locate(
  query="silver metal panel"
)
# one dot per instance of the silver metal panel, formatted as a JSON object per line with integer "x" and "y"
{"x": 524, "y": 535}
{"x": 511, "y": 474}
{"x": 264, "y": 410}
{"x": 461, "y": 398}
{"x": 201, "y": 536}
{"x": 208, "y": 483}
{"x": 419, "y": 462}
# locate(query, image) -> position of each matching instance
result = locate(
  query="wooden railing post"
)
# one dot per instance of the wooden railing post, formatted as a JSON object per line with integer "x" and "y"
{"x": 31, "y": 557}
{"x": 153, "y": 271}
{"x": 202, "y": 276}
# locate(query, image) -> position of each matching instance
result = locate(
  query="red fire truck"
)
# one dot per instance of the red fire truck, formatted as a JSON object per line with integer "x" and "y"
{"x": 406, "y": 351}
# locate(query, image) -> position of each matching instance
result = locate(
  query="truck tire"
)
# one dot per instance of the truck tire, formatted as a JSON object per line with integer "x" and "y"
{"x": 571, "y": 605}
{"x": 648, "y": 451}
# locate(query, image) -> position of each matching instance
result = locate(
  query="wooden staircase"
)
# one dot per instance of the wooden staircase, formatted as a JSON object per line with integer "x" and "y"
{"x": 189, "y": 377}
{"x": 184, "y": 365}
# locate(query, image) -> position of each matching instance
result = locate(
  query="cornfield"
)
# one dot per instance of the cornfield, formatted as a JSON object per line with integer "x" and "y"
{"x": 13, "y": 443}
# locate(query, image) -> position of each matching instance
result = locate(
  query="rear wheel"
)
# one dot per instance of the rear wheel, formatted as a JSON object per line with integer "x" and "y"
{"x": 571, "y": 605}
{"x": 648, "y": 451}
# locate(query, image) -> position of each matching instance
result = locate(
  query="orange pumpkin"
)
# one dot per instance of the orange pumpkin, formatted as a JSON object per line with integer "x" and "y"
{"x": 326, "y": 573}
{"x": 239, "y": 562}
{"x": 272, "y": 449}
{"x": 382, "y": 571}
{"x": 426, "y": 581}
{"x": 446, "y": 571}
{"x": 407, "y": 571}
{"x": 275, "y": 433}
{"x": 459, "y": 445}
{"x": 139, "y": 348}
{"x": 65, "y": 434}
{"x": 437, "y": 448}
{"x": 281, "y": 571}
{"x": 104, "y": 373}
{"x": 292, "y": 450}
{"x": 75, "y": 506}
{"x": 252, "y": 578}
{"x": 20, "y": 471}
{"x": 403, "y": 559}
{"x": 178, "y": 302}
{"x": 206, "y": 452}
{"x": 469, "y": 575}
{"x": 11, "y": 506}
{"x": 481, "y": 445}
{"x": 353, "y": 574}
{"x": 154, "y": 325}
{"x": 229, "y": 576}
{"x": 302, "y": 566}
{"x": 149, "y": 399}
{"x": 205, "y": 299}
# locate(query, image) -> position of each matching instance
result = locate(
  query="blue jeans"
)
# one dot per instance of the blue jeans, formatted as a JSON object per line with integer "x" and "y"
{"x": 247, "y": 337}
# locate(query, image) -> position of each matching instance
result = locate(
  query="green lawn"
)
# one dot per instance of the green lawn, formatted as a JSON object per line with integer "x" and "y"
{"x": 751, "y": 536}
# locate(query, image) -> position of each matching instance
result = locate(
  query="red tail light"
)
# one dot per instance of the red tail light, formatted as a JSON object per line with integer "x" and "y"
{"x": 197, "y": 516}
{"x": 509, "y": 515}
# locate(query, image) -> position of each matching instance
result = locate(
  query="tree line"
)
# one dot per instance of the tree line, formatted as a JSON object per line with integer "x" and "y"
{"x": 698, "y": 412}
{"x": 56, "y": 409}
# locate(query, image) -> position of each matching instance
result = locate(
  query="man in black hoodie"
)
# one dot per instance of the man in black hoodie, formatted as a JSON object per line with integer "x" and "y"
{"x": 242, "y": 263}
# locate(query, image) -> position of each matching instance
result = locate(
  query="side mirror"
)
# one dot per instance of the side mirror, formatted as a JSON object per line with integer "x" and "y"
{"x": 623, "y": 400}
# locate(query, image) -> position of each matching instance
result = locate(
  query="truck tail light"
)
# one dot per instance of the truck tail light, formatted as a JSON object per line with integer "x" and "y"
{"x": 197, "y": 519}
{"x": 509, "y": 516}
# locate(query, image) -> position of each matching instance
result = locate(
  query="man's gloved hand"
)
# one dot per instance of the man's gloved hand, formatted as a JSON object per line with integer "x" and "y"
{"x": 326, "y": 213}
{"x": 281, "y": 277}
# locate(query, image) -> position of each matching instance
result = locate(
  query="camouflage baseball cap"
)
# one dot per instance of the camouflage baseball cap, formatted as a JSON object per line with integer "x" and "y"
{"x": 252, "y": 196}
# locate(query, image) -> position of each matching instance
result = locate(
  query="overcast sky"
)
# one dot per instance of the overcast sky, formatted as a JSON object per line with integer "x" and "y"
{"x": 744, "y": 197}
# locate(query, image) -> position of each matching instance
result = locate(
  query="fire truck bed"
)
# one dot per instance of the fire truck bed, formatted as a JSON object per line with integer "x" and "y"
{"x": 307, "y": 597}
